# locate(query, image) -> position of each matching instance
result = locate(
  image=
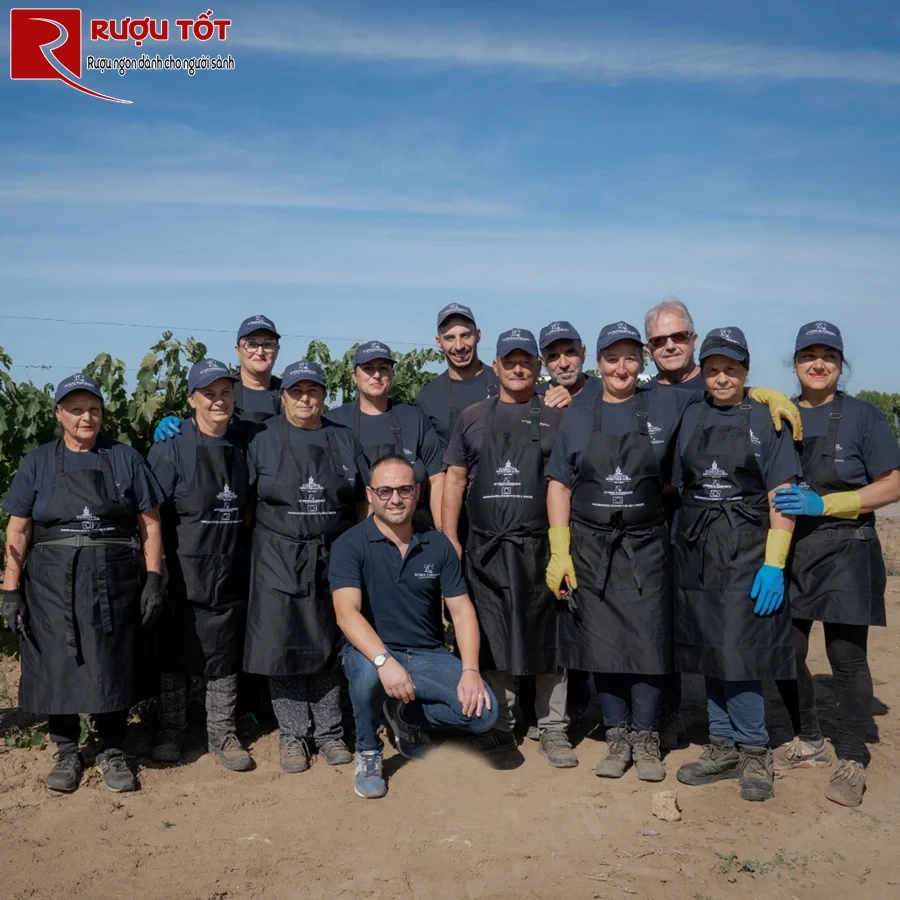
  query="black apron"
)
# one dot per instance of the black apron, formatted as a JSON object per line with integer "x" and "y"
{"x": 453, "y": 409}
{"x": 507, "y": 552}
{"x": 374, "y": 452}
{"x": 255, "y": 416}
{"x": 621, "y": 548}
{"x": 83, "y": 595}
{"x": 836, "y": 568}
{"x": 291, "y": 626}
{"x": 720, "y": 544}
{"x": 206, "y": 542}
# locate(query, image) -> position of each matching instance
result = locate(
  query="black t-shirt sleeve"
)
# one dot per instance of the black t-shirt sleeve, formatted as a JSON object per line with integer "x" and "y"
{"x": 163, "y": 462}
{"x": 561, "y": 465}
{"x": 880, "y": 449}
{"x": 345, "y": 568}
{"x": 23, "y": 490}
{"x": 780, "y": 460}
{"x": 147, "y": 493}
{"x": 452, "y": 582}
{"x": 458, "y": 450}
{"x": 430, "y": 451}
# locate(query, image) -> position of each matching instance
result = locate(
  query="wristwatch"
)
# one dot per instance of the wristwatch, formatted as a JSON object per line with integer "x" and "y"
{"x": 381, "y": 659}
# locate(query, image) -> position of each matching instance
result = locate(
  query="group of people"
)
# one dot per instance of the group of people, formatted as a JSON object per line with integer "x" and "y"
{"x": 591, "y": 526}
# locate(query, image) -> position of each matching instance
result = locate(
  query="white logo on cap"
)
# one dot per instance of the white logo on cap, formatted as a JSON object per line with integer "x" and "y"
{"x": 821, "y": 328}
{"x": 303, "y": 369}
{"x": 376, "y": 346}
{"x": 555, "y": 328}
{"x": 514, "y": 335}
{"x": 213, "y": 366}
{"x": 455, "y": 307}
{"x": 259, "y": 320}
{"x": 726, "y": 333}
{"x": 78, "y": 379}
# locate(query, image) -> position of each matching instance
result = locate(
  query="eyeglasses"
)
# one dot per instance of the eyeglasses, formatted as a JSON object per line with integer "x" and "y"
{"x": 677, "y": 337}
{"x": 385, "y": 493}
{"x": 254, "y": 346}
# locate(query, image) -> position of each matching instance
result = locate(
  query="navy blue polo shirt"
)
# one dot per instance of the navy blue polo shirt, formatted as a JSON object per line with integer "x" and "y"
{"x": 401, "y": 597}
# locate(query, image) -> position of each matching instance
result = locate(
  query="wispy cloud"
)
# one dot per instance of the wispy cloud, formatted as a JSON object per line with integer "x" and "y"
{"x": 611, "y": 58}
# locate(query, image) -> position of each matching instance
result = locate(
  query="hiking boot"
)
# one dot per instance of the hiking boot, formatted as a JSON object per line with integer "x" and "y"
{"x": 368, "y": 780}
{"x": 113, "y": 767}
{"x": 495, "y": 742}
{"x": 168, "y": 746}
{"x": 533, "y": 733}
{"x": 293, "y": 753}
{"x": 618, "y": 753}
{"x": 719, "y": 760}
{"x": 230, "y": 751}
{"x": 407, "y": 738}
{"x": 671, "y": 729}
{"x": 848, "y": 784}
{"x": 556, "y": 747}
{"x": 335, "y": 753}
{"x": 756, "y": 773}
{"x": 65, "y": 776}
{"x": 800, "y": 754}
{"x": 645, "y": 753}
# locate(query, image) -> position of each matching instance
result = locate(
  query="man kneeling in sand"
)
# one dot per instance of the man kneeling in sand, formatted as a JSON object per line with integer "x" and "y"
{"x": 387, "y": 577}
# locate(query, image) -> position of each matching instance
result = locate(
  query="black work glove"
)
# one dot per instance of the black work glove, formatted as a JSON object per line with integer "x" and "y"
{"x": 152, "y": 599}
{"x": 15, "y": 612}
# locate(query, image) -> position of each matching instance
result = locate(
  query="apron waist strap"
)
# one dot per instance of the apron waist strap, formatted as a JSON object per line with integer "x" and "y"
{"x": 736, "y": 514}
{"x": 83, "y": 540}
{"x": 618, "y": 535}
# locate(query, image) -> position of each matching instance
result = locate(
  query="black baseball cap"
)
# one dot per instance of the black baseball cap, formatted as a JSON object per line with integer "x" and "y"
{"x": 302, "y": 370}
{"x": 729, "y": 341}
{"x": 454, "y": 309}
{"x": 820, "y": 333}
{"x": 257, "y": 323}
{"x": 516, "y": 339}
{"x": 372, "y": 350}
{"x": 558, "y": 331}
{"x": 77, "y": 382}
{"x": 205, "y": 372}
{"x": 617, "y": 331}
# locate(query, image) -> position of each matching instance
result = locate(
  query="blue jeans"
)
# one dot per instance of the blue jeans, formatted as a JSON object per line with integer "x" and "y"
{"x": 737, "y": 712}
{"x": 631, "y": 700}
{"x": 435, "y": 675}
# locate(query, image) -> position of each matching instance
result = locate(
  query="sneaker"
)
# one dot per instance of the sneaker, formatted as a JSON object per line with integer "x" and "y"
{"x": 293, "y": 753}
{"x": 618, "y": 753}
{"x": 113, "y": 767}
{"x": 496, "y": 742}
{"x": 756, "y": 773}
{"x": 645, "y": 753}
{"x": 65, "y": 776}
{"x": 533, "y": 733}
{"x": 230, "y": 751}
{"x": 848, "y": 784}
{"x": 368, "y": 780}
{"x": 556, "y": 747}
{"x": 168, "y": 746}
{"x": 800, "y": 754}
{"x": 671, "y": 729}
{"x": 719, "y": 760}
{"x": 335, "y": 753}
{"x": 407, "y": 738}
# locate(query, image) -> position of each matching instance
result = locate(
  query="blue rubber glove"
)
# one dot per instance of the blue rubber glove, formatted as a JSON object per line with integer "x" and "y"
{"x": 798, "y": 501}
{"x": 169, "y": 427}
{"x": 768, "y": 590}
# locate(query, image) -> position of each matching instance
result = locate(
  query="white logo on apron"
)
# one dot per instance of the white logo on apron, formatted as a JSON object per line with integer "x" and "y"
{"x": 224, "y": 512}
{"x": 714, "y": 488}
{"x": 310, "y": 503}
{"x": 619, "y": 483}
{"x": 506, "y": 486}
{"x": 654, "y": 430}
{"x": 88, "y": 523}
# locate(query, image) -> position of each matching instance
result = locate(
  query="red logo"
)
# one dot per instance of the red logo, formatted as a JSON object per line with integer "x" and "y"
{"x": 45, "y": 44}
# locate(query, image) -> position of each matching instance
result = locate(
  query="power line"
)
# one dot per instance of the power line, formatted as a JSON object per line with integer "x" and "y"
{"x": 311, "y": 337}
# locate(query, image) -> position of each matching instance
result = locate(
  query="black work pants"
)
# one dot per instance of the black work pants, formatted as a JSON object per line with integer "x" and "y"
{"x": 66, "y": 729}
{"x": 846, "y": 646}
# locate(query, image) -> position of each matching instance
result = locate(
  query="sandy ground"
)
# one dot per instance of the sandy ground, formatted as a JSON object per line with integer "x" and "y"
{"x": 452, "y": 827}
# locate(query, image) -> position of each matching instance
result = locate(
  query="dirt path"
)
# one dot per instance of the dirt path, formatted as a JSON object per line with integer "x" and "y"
{"x": 451, "y": 827}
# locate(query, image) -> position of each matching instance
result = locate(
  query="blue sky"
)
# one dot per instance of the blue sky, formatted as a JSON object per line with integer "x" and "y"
{"x": 366, "y": 163}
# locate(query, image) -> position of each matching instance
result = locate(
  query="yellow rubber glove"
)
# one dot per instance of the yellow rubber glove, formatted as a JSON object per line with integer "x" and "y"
{"x": 842, "y": 505}
{"x": 780, "y": 408}
{"x": 778, "y": 543}
{"x": 560, "y": 564}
